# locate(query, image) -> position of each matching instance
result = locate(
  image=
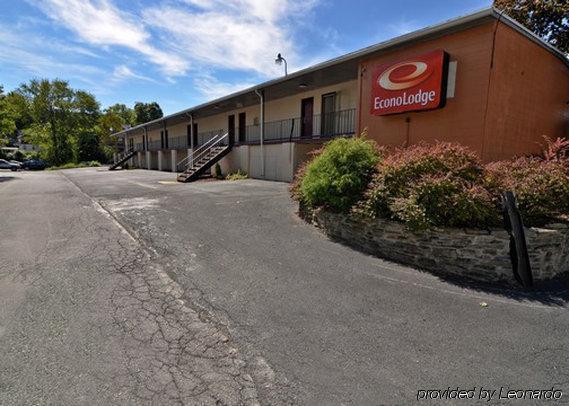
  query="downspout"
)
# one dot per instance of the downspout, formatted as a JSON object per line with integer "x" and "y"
{"x": 165, "y": 134}
{"x": 191, "y": 159}
{"x": 261, "y": 95}
{"x": 145, "y": 139}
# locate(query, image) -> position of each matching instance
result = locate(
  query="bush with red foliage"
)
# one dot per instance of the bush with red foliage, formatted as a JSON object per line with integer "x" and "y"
{"x": 431, "y": 185}
{"x": 446, "y": 185}
{"x": 541, "y": 187}
{"x": 556, "y": 150}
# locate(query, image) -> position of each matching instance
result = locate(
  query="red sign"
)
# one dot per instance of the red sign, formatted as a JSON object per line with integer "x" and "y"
{"x": 410, "y": 85}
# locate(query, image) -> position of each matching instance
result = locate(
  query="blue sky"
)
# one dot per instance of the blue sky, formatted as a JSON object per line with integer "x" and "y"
{"x": 184, "y": 52}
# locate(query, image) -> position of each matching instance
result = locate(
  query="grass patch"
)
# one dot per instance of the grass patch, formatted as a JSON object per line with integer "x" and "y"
{"x": 73, "y": 165}
{"x": 239, "y": 175}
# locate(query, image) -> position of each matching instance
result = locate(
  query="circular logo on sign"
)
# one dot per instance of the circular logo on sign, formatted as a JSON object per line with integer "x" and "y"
{"x": 404, "y": 75}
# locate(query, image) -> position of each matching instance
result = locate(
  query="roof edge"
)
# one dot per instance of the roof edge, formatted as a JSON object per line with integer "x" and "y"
{"x": 458, "y": 22}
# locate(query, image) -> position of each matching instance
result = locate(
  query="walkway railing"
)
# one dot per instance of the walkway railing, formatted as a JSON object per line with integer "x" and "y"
{"x": 318, "y": 126}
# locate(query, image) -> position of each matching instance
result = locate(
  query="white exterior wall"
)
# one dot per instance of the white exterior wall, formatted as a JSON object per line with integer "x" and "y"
{"x": 281, "y": 159}
{"x": 289, "y": 107}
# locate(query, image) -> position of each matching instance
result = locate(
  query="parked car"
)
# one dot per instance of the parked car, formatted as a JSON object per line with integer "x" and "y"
{"x": 34, "y": 164}
{"x": 18, "y": 163}
{"x": 8, "y": 165}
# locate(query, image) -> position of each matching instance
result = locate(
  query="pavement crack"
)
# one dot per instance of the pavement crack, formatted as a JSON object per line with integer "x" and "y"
{"x": 174, "y": 354}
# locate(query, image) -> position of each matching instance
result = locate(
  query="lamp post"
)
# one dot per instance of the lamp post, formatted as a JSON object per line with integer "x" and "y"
{"x": 280, "y": 60}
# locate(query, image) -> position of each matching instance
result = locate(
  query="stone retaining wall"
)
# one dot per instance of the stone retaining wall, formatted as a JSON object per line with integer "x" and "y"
{"x": 475, "y": 254}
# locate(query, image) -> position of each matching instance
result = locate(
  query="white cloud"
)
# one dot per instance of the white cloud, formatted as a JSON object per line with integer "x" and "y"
{"x": 24, "y": 52}
{"x": 99, "y": 22}
{"x": 211, "y": 88}
{"x": 231, "y": 34}
{"x": 184, "y": 37}
{"x": 122, "y": 72}
{"x": 403, "y": 27}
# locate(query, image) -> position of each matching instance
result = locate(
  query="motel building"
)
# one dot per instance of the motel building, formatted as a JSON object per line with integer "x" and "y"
{"x": 481, "y": 80}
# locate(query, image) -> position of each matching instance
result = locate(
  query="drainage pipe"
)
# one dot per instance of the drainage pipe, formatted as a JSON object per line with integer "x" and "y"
{"x": 191, "y": 160}
{"x": 261, "y": 95}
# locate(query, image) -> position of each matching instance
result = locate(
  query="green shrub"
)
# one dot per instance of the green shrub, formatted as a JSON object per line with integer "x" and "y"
{"x": 431, "y": 185}
{"x": 338, "y": 176}
{"x": 440, "y": 185}
{"x": 541, "y": 187}
{"x": 73, "y": 165}
{"x": 238, "y": 175}
{"x": 217, "y": 170}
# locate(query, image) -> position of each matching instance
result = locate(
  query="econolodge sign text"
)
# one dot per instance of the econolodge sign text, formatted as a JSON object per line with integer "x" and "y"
{"x": 413, "y": 84}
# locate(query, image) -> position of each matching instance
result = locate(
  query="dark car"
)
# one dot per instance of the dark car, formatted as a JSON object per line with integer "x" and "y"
{"x": 8, "y": 165}
{"x": 34, "y": 164}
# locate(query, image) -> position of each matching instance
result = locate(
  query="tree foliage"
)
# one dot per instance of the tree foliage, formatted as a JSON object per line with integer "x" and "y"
{"x": 67, "y": 124}
{"x": 145, "y": 112}
{"x": 59, "y": 115}
{"x": 547, "y": 18}
{"x": 7, "y": 122}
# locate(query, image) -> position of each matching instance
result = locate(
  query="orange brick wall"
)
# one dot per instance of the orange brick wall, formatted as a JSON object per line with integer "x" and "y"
{"x": 528, "y": 97}
{"x": 499, "y": 112}
{"x": 462, "y": 119}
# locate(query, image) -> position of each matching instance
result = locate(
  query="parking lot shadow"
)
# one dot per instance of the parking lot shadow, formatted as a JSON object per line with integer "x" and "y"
{"x": 554, "y": 292}
{"x": 7, "y": 178}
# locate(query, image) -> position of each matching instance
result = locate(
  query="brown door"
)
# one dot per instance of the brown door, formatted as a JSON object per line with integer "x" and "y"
{"x": 231, "y": 128}
{"x": 306, "y": 117}
{"x": 242, "y": 127}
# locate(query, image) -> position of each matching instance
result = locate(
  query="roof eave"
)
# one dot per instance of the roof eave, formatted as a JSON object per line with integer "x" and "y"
{"x": 438, "y": 29}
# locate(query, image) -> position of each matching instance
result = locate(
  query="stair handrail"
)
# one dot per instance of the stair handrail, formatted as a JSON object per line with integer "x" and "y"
{"x": 189, "y": 157}
{"x": 220, "y": 138}
{"x": 120, "y": 157}
{"x": 202, "y": 150}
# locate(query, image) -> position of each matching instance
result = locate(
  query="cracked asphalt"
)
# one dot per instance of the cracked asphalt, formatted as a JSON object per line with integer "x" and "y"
{"x": 128, "y": 288}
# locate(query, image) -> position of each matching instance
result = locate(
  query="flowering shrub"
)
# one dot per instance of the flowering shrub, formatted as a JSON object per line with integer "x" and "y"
{"x": 441, "y": 185}
{"x": 541, "y": 187}
{"x": 431, "y": 185}
{"x": 338, "y": 176}
{"x": 556, "y": 150}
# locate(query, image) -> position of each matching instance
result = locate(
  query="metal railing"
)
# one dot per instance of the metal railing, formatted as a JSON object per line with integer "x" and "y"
{"x": 154, "y": 145}
{"x": 319, "y": 126}
{"x": 139, "y": 147}
{"x": 122, "y": 155}
{"x": 202, "y": 150}
{"x": 180, "y": 142}
{"x": 327, "y": 125}
{"x": 206, "y": 136}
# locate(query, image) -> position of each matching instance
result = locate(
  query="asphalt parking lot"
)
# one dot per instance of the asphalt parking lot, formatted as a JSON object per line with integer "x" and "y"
{"x": 288, "y": 316}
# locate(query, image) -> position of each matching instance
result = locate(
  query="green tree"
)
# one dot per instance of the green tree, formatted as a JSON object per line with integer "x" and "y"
{"x": 125, "y": 113}
{"x": 61, "y": 117}
{"x": 547, "y": 18}
{"x": 89, "y": 147}
{"x": 19, "y": 108}
{"x": 7, "y": 122}
{"x": 146, "y": 112}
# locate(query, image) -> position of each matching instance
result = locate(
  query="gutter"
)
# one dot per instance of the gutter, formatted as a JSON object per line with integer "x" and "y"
{"x": 261, "y": 95}
{"x": 438, "y": 29}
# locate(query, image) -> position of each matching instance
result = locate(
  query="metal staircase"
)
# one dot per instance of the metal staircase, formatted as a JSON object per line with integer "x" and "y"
{"x": 203, "y": 158}
{"x": 122, "y": 158}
